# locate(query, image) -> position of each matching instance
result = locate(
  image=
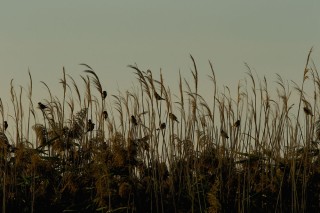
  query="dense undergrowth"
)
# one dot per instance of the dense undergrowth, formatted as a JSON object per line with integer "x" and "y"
{"x": 150, "y": 151}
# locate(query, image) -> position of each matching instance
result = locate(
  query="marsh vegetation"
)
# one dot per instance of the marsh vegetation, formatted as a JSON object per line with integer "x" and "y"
{"x": 148, "y": 150}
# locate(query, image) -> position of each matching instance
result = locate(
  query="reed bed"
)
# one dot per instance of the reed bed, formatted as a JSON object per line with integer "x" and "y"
{"x": 148, "y": 150}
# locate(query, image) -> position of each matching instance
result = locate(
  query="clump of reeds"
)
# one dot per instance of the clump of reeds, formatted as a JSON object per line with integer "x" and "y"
{"x": 149, "y": 150}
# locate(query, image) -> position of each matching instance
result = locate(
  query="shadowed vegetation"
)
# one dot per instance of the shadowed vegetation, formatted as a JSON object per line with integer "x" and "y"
{"x": 147, "y": 150}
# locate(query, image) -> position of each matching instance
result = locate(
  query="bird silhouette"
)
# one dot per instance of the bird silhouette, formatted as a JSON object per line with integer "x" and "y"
{"x": 104, "y": 95}
{"x": 5, "y": 125}
{"x": 224, "y": 134}
{"x": 157, "y": 96}
{"x": 307, "y": 111}
{"x": 134, "y": 120}
{"x": 90, "y": 126}
{"x": 173, "y": 117}
{"x": 42, "y": 106}
{"x": 236, "y": 124}
{"x": 162, "y": 126}
{"x": 105, "y": 115}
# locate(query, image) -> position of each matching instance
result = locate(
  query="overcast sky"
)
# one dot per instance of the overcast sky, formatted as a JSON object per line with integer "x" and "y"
{"x": 271, "y": 36}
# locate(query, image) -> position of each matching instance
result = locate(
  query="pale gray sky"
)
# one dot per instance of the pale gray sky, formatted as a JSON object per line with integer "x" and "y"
{"x": 271, "y": 36}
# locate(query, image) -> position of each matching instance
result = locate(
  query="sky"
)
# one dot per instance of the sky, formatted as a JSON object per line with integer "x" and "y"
{"x": 45, "y": 36}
